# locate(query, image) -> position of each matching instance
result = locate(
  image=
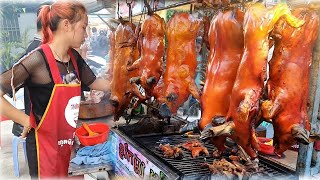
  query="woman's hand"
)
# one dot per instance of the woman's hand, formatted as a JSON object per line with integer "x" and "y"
{"x": 25, "y": 131}
{"x": 9, "y": 111}
{"x": 100, "y": 85}
{"x": 26, "y": 128}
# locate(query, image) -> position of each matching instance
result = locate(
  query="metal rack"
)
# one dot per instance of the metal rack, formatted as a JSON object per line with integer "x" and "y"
{"x": 190, "y": 168}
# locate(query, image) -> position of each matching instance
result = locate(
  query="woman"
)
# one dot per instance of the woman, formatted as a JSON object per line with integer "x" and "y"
{"x": 53, "y": 74}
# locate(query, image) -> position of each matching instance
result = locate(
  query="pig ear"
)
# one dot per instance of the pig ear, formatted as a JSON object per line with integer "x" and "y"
{"x": 300, "y": 134}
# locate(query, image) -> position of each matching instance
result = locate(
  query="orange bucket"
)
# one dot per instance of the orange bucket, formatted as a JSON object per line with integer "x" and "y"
{"x": 86, "y": 140}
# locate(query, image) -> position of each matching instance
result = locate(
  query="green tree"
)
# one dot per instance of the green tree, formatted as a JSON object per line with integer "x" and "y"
{"x": 8, "y": 9}
{"x": 24, "y": 40}
{"x": 7, "y": 56}
{"x": 11, "y": 51}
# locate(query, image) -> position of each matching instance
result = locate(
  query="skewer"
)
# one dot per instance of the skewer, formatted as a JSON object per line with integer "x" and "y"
{"x": 244, "y": 155}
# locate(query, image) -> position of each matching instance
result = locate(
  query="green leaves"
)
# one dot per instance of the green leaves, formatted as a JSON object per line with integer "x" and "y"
{"x": 7, "y": 56}
{"x": 10, "y": 52}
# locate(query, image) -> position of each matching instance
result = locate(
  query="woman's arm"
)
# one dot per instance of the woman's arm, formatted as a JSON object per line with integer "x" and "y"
{"x": 100, "y": 85}
{"x": 9, "y": 111}
{"x": 18, "y": 75}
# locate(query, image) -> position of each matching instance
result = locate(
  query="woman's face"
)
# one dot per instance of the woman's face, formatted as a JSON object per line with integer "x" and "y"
{"x": 79, "y": 32}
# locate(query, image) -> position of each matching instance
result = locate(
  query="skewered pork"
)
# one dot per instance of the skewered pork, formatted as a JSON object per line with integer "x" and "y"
{"x": 181, "y": 61}
{"x": 288, "y": 85}
{"x": 247, "y": 89}
{"x": 226, "y": 48}
{"x": 126, "y": 53}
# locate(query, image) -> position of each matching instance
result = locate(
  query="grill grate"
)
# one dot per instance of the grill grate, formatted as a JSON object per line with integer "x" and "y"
{"x": 189, "y": 167}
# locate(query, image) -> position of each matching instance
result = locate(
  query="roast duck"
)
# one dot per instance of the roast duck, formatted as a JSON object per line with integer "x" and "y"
{"x": 150, "y": 64}
{"x": 226, "y": 48}
{"x": 249, "y": 82}
{"x": 181, "y": 62}
{"x": 288, "y": 83}
{"x": 126, "y": 52}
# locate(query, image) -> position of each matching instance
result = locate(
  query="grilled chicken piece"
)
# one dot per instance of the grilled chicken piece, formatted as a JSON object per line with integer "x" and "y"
{"x": 190, "y": 144}
{"x": 126, "y": 53}
{"x": 196, "y": 151}
{"x": 247, "y": 89}
{"x": 226, "y": 168}
{"x": 195, "y": 147}
{"x": 150, "y": 64}
{"x": 171, "y": 152}
{"x": 226, "y": 48}
{"x": 181, "y": 62}
{"x": 288, "y": 85}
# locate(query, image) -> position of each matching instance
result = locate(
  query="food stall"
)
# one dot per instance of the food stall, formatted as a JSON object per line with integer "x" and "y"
{"x": 137, "y": 143}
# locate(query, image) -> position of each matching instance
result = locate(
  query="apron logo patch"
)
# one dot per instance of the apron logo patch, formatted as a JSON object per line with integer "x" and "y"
{"x": 65, "y": 141}
{"x": 72, "y": 111}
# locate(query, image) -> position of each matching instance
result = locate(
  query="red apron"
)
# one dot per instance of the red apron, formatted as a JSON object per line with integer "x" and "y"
{"x": 55, "y": 132}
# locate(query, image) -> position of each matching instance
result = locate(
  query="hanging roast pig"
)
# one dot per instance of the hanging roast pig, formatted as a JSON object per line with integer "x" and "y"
{"x": 181, "y": 62}
{"x": 288, "y": 84}
{"x": 126, "y": 52}
{"x": 247, "y": 89}
{"x": 226, "y": 48}
{"x": 149, "y": 65}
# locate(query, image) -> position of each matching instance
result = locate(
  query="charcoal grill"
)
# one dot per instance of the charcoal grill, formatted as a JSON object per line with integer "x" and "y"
{"x": 188, "y": 167}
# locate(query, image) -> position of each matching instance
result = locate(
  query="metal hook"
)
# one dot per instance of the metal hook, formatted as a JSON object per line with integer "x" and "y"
{"x": 142, "y": 13}
{"x": 130, "y": 10}
{"x": 118, "y": 9}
